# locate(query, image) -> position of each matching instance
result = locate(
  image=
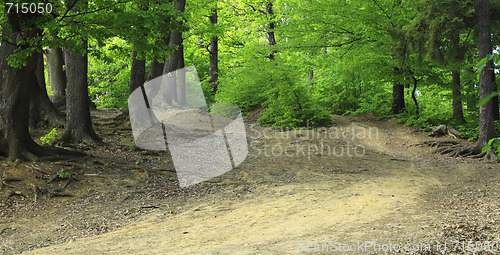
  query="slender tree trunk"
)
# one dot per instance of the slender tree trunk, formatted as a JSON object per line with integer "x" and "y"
{"x": 458, "y": 113}
{"x": 270, "y": 34}
{"x": 454, "y": 51}
{"x": 137, "y": 73}
{"x": 214, "y": 56}
{"x": 57, "y": 76}
{"x": 78, "y": 122}
{"x": 413, "y": 93}
{"x": 398, "y": 94}
{"x": 42, "y": 110}
{"x": 485, "y": 80}
{"x": 176, "y": 62}
{"x": 496, "y": 113}
{"x": 155, "y": 69}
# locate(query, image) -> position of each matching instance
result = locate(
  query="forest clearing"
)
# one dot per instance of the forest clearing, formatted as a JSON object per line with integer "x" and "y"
{"x": 249, "y": 127}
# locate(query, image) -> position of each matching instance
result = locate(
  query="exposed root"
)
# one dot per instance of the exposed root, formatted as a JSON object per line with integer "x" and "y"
{"x": 439, "y": 143}
{"x": 443, "y": 130}
{"x": 455, "y": 149}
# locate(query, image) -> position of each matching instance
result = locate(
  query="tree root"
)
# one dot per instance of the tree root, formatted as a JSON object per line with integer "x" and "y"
{"x": 443, "y": 130}
{"x": 455, "y": 149}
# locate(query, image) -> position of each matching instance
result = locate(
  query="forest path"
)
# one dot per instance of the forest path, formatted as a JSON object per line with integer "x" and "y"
{"x": 387, "y": 190}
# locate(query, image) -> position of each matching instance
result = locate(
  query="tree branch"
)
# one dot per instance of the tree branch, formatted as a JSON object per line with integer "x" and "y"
{"x": 96, "y": 10}
{"x": 385, "y": 13}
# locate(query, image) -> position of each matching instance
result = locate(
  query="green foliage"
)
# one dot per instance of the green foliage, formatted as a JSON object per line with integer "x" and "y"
{"x": 63, "y": 175}
{"x": 109, "y": 73}
{"x": 50, "y": 137}
{"x": 493, "y": 143}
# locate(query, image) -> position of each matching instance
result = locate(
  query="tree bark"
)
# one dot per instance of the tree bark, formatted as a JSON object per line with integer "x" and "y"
{"x": 398, "y": 94}
{"x": 15, "y": 93}
{"x": 458, "y": 114}
{"x": 57, "y": 76}
{"x": 454, "y": 51}
{"x": 16, "y": 90}
{"x": 496, "y": 110}
{"x": 78, "y": 122}
{"x": 214, "y": 56}
{"x": 485, "y": 80}
{"x": 42, "y": 110}
{"x": 176, "y": 62}
{"x": 155, "y": 69}
{"x": 270, "y": 34}
{"x": 137, "y": 73}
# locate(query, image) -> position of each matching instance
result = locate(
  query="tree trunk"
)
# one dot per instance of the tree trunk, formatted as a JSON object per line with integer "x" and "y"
{"x": 496, "y": 110}
{"x": 214, "y": 56}
{"x": 57, "y": 77}
{"x": 398, "y": 94}
{"x": 413, "y": 94}
{"x": 458, "y": 114}
{"x": 155, "y": 69}
{"x": 16, "y": 88}
{"x": 137, "y": 73}
{"x": 15, "y": 93}
{"x": 485, "y": 80}
{"x": 78, "y": 122}
{"x": 270, "y": 34}
{"x": 42, "y": 110}
{"x": 176, "y": 62}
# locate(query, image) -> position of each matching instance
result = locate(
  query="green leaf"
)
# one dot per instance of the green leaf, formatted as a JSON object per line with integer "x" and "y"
{"x": 496, "y": 58}
{"x": 485, "y": 149}
{"x": 482, "y": 64}
{"x": 487, "y": 98}
{"x": 491, "y": 141}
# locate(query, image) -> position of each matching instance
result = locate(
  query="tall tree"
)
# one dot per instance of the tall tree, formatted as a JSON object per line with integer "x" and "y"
{"x": 78, "y": 122}
{"x": 17, "y": 83}
{"x": 486, "y": 79}
{"x": 42, "y": 110}
{"x": 214, "y": 55}
{"x": 57, "y": 76}
{"x": 137, "y": 73}
{"x": 176, "y": 59}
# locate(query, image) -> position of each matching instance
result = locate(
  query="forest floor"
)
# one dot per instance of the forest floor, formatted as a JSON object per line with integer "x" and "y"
{"x": 372, "y": 189}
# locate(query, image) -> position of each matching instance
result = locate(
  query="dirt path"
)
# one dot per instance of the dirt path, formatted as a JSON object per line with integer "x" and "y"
{"x": 297, "y": 193}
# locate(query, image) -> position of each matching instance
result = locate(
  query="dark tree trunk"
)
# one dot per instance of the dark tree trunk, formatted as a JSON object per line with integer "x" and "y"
{"x": 454, "y": 51}
{"x": 15, "y": 94}
{"x": 78, "y": 122}
{"x": 398, "y": 98}
{"x": 175, "y": 62}
{"x": 485, "y": 80}
{"x": 413, "y": 93}
{"x": 137, "y": 73}
{"x": 270, "y": 34}
{"x": 155, "y": 69}
{"x": 57, "y": 76}
{"x": 496, "y": 113}
{"x": 16, "y": 90}
{"x": 214, "y": 56}
{"x": 458, "y": 114}
{"x": 42, "y": 110}
{"x": 398, "y": 94}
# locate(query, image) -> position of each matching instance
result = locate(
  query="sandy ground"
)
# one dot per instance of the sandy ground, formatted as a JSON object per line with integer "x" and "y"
{"x": 362, "y": 186}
